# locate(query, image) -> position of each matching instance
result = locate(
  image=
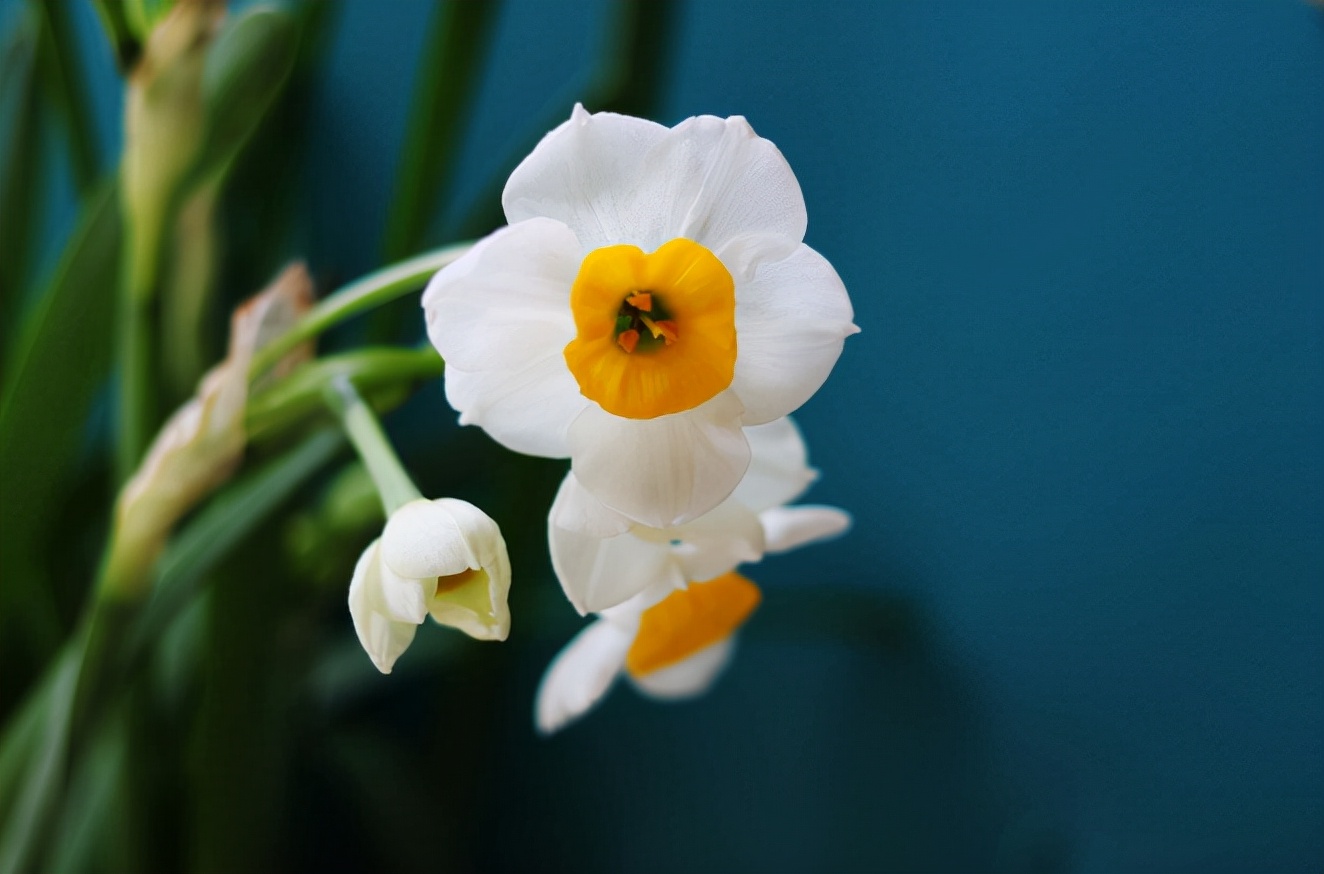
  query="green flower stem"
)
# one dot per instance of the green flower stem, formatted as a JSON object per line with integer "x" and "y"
{"x": 371, "y": 291}
{"x": 394, "y": 486}
{"x": 384, "y": 375}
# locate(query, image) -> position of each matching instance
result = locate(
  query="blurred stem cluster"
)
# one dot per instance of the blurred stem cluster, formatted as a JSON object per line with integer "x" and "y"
{"x": 119, "y": 518}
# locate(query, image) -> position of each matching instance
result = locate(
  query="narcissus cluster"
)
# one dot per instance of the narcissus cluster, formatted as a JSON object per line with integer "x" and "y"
{"x": 651, "y": 313}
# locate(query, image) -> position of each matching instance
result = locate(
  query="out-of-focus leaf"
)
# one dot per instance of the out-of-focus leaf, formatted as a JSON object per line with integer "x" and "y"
{"x": 92, "y": 819}
{"x": 125, "y": 41}
{"x": 20, "y": 158}
{"x": 264, "y": 199}
{"x": 246, "y": 69}
{"x": 636, "y": 59}
{"x": 443, "y": 94}
{"x": 64, "y": 83}
{"x": 190, "y": 277}
{"x": 55, "y": 369}
{"x": 25, "y": 825}
{"x": 230, "y": 517}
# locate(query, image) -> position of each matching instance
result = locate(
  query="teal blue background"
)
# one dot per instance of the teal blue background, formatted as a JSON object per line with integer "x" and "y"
{"x": 1081, "y": 435}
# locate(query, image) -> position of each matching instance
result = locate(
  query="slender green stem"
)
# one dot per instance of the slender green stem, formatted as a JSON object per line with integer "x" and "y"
{"x": 381, "y": 374}
{"x": 393, "y": 484}
{"x": 364, "y": 294}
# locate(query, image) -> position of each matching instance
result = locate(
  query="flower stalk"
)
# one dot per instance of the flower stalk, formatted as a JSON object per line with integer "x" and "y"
{"x": 393, "y": 484}
{"x": 371, "y": 291}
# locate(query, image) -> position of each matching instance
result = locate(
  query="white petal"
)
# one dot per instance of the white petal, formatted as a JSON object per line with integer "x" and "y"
{"x": 779, "y": 470}
{"x": 403, "y": 599}
{"x": 586, "y": 174}
{"x": 500, "y": 317}
{"x": 718, "y": 541}
{"x": 383, "y": 638}
{"x": 688, "y": 678}
{"x": 506, "y": 297}
{"x": 575, "y": 509}
{"x": 580, "y": 675}
{"x": 527, "y": 410}
{"x": 424, "y": 539}
{"x": 598, "y": 572}
{"x": 661, "y": 472}
{"x": 713, "y": 180}
{"x": 787, "y": 528}
{"x": 791, "y": 321}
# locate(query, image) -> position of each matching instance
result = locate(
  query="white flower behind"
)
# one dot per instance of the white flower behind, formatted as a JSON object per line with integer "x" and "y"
{"x": 444, "y": 558}
{"x": 673, "y": 649}
{"x": 650, "y": 298}
{"x": 669, "y": 602}
{"x": 603, "y": 559}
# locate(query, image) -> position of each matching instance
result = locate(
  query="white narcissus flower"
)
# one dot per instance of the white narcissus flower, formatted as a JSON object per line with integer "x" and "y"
{"x": 443, "y": 558}
{"x": 650, "y": 298}
{"x": 673, "y": 649}
{"x": 669, "y": 633}
{"x": 603, "y": 559}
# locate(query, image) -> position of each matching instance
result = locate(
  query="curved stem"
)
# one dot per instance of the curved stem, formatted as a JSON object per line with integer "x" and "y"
{"x": 393, "y": 484}
{"x": 371, "y": 291}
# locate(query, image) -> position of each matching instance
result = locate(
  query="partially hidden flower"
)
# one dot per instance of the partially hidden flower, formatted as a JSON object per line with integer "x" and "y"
{"x": 674, "y": 649}
{"x": 604, "y": 559}
{"x": 650, "y": 298}
{"x": 443, "y": 558}
{"x": 669, "y": 601}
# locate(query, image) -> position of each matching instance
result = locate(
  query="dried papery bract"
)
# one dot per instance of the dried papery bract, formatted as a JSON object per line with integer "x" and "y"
{"x": 200, "y": 445}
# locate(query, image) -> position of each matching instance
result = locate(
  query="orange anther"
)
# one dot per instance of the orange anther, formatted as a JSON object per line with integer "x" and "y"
{"x": 641, "y": 300}
{"x": 627, "y": 340}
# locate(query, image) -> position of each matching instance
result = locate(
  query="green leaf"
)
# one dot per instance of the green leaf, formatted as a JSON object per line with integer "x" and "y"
{"x": 125, "y": 41}
{"x": 21, "y": 157}
{"x": 54, "y": 371}
{"x": 26, "y": 823}
{"x": 447, "y": 79}
{"x": 64, "y": 81}
{"x": 230, "y": 517}
{"x": 637, "y": 57}
{"x": 246, "y": 69}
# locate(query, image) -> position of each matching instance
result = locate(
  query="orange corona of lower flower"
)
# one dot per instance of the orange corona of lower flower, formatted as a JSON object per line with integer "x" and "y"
{"x": 655, "y": 333}
{"x": 689, "y": 620}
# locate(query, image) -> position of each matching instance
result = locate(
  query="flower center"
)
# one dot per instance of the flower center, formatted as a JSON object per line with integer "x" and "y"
{"x": 655, "y": 333}
{"x": 689, "y": 620}
{"x": 451, "y": 582}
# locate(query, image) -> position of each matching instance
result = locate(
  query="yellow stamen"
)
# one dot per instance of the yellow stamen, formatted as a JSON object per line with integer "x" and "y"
{"x": 689, "y": 298}
{"x": 689, "y": 620}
